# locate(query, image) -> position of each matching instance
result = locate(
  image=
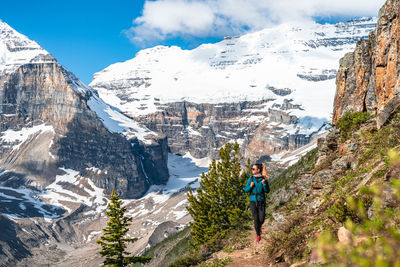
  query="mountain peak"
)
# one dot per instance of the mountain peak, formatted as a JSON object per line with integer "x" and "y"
{"x": 301, "y": 57}
{"x": 36, "y": 90}
{"x": 16, "y": 50}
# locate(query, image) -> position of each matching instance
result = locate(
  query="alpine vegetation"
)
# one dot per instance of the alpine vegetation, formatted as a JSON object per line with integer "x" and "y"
{"x": 114, "y": 240}
{"x": 219, "y": 204}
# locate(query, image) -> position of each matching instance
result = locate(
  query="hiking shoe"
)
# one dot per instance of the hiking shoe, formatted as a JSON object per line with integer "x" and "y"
{"x": 258, "y": 238}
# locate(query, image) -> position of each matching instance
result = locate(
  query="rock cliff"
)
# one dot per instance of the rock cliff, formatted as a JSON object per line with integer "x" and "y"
{"x": 49, "y": 120}
{"x": 201, "y": 128}
{"x": 368, "y": 78}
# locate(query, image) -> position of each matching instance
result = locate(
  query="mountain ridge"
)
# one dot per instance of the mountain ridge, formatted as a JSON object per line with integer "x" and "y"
{"x": 270, "y": 90}
{"x": 36, "y": 89}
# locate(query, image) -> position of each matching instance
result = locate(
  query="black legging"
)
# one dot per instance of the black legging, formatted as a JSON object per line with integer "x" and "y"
{"x": 258, "y": 210}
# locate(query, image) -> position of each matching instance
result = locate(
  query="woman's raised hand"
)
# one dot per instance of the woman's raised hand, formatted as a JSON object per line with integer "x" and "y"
{"x": 263, "y": 181}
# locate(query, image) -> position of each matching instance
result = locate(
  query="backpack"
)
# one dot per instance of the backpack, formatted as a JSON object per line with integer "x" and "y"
{"x": 257, "y": 194}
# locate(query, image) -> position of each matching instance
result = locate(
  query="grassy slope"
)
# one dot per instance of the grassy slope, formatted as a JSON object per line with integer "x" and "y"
{"x": 304, "y": 165}
{"x": 169, "y": 249}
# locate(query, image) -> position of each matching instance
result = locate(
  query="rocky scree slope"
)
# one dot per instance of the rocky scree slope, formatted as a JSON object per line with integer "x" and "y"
{"x": 271, "y": 90}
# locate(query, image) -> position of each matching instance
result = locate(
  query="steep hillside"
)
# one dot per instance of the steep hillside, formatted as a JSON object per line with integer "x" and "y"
{"x": 339, "y": 205}
{"x": 271, "y": 90}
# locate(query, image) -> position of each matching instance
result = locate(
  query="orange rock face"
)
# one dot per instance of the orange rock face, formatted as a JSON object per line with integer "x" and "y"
{"x": 368, "y": 79}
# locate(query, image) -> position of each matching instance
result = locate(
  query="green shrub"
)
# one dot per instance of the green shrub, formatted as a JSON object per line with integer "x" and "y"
{"x": 189, "y": 260}
{"x": 216, "y": 263}
{"x": 341, "y": 211}
{"x": 350, "y": 122}
{"x": 291, "y": 238}
{"x": 378, "y": 142}
{"x": 374, "y": 242}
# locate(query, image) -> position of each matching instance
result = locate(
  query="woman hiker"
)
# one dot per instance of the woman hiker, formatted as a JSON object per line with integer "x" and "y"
{"x": 257, "y": 186}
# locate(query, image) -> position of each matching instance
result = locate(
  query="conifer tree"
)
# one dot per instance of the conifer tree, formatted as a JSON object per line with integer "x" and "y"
{"x": 220, "y": 203}
{"x": 114, "y": 240}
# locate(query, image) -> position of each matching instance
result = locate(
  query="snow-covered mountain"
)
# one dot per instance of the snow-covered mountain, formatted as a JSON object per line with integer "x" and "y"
{"x": 42, "y": 100}
{"x": 287, "y": 71}
{"x": 303, "y": 58}
{"x": 62, "y": 150}
{"x": 16, "y": 50}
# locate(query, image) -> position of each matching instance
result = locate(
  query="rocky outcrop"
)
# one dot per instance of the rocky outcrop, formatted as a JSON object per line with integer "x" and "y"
{"x": 368, "y": 78}
{"x": 201, "y": 129}
{"x": 162, "y": 231}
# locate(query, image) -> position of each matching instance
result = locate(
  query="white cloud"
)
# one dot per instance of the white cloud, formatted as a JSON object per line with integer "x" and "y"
{"x": 163, "y": 19}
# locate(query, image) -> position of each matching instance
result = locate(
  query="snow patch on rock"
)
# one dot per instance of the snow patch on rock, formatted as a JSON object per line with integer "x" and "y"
{"x": 116, "y": 122}
{"x": 15, "y": 138}
{"x": 57, "y": 193}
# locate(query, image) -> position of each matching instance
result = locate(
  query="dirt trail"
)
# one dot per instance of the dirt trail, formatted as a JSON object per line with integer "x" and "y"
{"x": 254, "y": 255}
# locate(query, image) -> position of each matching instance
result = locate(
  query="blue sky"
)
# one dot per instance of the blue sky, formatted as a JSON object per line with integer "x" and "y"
{"x": 84, "y": 36}
{"x": 87, "y": 36}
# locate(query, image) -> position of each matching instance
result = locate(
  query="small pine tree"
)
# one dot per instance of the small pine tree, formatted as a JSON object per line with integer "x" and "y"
{"x": 114, "y": 240}
{"x": 220, "y": 203}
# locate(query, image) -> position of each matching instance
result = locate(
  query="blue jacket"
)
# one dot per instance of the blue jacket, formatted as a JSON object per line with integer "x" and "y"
{"x": 259, "y": 188}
